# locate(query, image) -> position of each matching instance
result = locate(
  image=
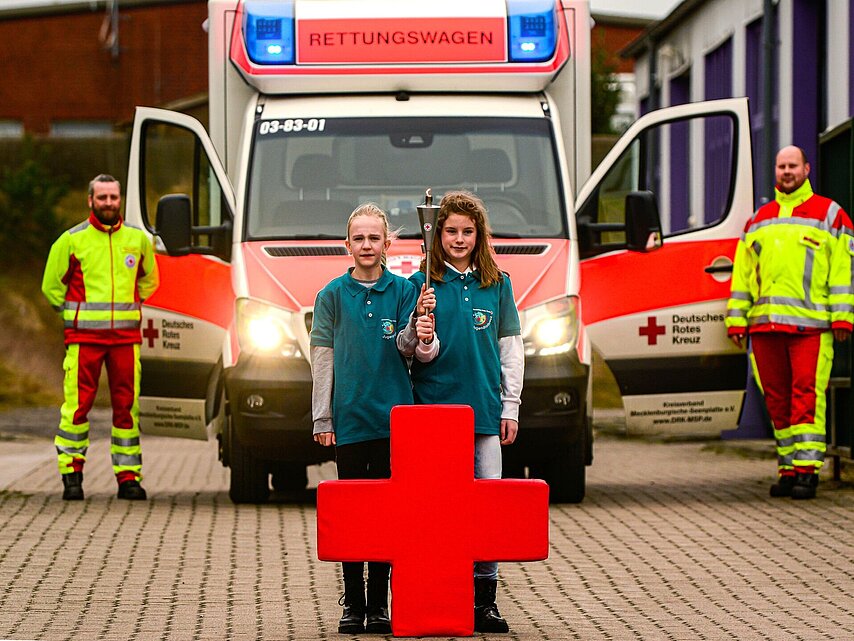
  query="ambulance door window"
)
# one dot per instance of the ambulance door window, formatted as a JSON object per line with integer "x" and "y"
{"x": 687, "y": 164}
{"x": 174, "y": 162}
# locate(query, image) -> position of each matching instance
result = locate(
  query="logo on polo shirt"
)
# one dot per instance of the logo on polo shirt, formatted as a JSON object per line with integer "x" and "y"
{"x": 482, "y": 318}
{"x": 388, "y": 328}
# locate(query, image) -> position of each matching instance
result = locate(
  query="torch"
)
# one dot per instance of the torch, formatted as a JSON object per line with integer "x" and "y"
{"x": 427, "y": 217}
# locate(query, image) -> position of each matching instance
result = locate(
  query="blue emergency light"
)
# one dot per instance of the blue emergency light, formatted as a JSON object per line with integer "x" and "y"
{"x": 532, "y": 27}
{"x": 268, "y": 28}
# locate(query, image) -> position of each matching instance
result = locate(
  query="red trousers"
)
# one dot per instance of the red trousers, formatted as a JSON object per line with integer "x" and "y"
{"x": 83, "y": 364}
{"x": 793, "y": 371}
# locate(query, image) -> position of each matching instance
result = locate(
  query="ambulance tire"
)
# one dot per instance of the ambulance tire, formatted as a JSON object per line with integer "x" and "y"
{"x": 249, "y": 482}
{"x": 288, "y": 477}
{"x": 566, "y": 474}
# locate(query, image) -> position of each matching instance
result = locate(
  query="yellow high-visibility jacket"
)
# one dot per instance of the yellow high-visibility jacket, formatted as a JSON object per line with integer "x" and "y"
{"x": 792, "y": 270}
{"x": 97, "y": 277}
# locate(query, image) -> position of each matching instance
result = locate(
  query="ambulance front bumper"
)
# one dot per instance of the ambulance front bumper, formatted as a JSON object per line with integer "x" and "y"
{"x": 554, "y": 402}
{"x": 270, "y": 404}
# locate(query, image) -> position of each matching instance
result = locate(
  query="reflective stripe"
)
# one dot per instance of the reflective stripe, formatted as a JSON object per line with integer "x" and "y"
{"x": 809, "y": 262}
{"x": 741, "y": 296}
{"x": 101, "y": 307}
{"x": 118, "y": 324}
{"x": 808, "y": 455}
{"x": 842, "y": 308}
{"x": 809, "y": 438}
{"x": 735, "y": 313}
{"x": 65, "y": 449}
{"x": 797, "y": 321}
{"x": 806, "y": 222}
{"x": 125, "y": 442}
{"x": 841, "y": 289}
{"x": 791, "y": 302}
{"x": 72, "y": 436}
{"x": 127, "y": 459}
{"x": 788, "y": 441}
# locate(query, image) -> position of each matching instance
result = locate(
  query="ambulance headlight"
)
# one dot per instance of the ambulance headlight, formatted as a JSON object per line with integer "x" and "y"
{"x": 551, "y": 328}
{"x": 268, "y": 31}
{"x": 532, "y": 26}
{"x": 265, "y": 330}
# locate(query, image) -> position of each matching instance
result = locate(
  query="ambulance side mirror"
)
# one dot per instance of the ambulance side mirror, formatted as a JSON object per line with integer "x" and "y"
{"x": 643, "y": 224}
{"x": 174, "y": 223}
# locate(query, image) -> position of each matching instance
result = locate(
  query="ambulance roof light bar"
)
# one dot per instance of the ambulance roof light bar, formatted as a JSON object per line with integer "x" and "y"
{"x": 269, "y": 31}
{"x": 532, "y": 27}
{"x": 268, "y": 27}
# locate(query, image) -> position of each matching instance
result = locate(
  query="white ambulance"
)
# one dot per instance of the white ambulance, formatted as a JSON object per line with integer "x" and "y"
{"x": 317, "y": 106}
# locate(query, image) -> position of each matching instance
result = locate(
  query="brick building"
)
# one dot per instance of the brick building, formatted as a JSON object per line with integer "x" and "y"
{"x": 76, "y": 69}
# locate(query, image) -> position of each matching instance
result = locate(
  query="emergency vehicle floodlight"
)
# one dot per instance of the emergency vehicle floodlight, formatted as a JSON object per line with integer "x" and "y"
{"x": 427, "y": 214}
{"x": 532, "y": 25}
{"x": 268, "y": 26}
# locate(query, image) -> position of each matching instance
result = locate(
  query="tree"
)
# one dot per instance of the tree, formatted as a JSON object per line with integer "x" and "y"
{"x": 604, "y": 91}
{"x": 29, "y": 193}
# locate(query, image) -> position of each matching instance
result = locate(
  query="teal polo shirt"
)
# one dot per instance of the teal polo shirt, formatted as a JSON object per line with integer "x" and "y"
{"x": 470, "y": 320}
{"x": 370, "y": 375}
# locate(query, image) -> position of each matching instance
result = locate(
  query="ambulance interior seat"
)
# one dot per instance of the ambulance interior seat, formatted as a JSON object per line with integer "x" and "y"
{"x": 379, "y": 164}
{"x": 491, "y": 172}
{"x": 314, "y": 211}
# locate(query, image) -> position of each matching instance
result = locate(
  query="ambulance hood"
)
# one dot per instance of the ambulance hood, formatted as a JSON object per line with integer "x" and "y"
{"x": 290, "y": 273}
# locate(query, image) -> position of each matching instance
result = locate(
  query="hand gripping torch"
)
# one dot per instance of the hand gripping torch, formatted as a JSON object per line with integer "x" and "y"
{"x": 427, "y": 214}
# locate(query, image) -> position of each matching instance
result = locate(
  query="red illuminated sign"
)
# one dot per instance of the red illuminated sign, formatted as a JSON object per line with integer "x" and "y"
{"x": 399, "y": 40}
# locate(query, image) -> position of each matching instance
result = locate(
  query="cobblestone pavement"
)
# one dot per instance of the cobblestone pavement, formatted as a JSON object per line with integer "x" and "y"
{"x": 675, "y": 540}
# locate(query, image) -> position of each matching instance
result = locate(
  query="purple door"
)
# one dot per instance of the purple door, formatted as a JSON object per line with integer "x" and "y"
{"x": 718, "y": 68}
{"x": 680, "y": 204}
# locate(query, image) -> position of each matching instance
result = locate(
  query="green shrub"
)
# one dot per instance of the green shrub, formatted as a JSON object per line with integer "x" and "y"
{"x": 29, "y": 193}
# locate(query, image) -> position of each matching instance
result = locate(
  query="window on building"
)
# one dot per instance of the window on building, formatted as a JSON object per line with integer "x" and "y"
{"x": 80, "y": 128}
{"x": 11, "y": 129}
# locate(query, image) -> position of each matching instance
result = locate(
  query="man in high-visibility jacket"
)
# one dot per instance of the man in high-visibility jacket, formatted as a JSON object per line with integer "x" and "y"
{"x": 97, "y": 275}
{"x": 791, "y": 290}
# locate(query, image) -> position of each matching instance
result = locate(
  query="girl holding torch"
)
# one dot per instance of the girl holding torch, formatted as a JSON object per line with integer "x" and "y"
{"x": 481, "y": 360}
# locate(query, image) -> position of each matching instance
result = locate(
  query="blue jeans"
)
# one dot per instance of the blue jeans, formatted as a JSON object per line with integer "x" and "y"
{"x": 487, "y": 465}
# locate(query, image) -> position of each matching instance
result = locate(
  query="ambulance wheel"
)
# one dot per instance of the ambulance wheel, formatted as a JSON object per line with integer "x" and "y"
{"x": 289, "y": 477}
{"x": 566, "y": 474}
{"x": 249, "y": 479}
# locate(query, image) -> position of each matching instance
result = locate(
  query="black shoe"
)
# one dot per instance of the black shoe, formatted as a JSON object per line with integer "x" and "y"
{"x": 377, "y": 603}
{"x": 783, "y": 486}
{"x": 132, "y": 491}
{"x": 352, "y": 620}
{"x": 805, "y": 486}
{"x": 72, "y": 486}
{"x": 378, "y": 622}
{"x": 487, "y": 618}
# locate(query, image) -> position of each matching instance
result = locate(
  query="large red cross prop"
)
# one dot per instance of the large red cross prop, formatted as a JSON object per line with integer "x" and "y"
{"x": 432, "y": 520}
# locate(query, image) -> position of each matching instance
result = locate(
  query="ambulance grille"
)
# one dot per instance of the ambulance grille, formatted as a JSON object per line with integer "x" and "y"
{"x": 521, "y": 249}
{"x": 316, "y": 250}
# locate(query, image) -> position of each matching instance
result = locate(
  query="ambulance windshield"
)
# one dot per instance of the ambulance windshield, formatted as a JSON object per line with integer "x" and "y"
{"x": 308, "y": 174}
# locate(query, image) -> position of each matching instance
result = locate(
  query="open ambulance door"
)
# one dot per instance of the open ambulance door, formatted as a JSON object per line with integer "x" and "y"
{"x": 656, "y": 312}
{"x": 178, "y": 191}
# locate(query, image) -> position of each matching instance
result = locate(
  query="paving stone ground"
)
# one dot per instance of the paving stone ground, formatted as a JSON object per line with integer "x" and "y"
{"x": 675, "y": 540}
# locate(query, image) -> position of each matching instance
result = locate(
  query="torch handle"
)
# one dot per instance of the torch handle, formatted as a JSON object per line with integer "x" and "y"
{"x": 427, "y": 268}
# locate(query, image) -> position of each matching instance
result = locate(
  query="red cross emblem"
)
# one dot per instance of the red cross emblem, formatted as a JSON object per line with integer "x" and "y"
{"x": 432, "y": 520}
{"x": 404, "y": 265}
{"x": 150, "y": 333}
{"x": 652, "y": 331}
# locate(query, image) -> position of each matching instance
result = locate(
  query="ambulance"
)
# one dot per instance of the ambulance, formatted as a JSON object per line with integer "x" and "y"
{"x": 317, "y": 106}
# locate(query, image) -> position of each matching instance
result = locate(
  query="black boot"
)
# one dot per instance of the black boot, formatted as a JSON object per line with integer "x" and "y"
{"x": 378, "y": 619}
{"x": 805, "y": 486}
{"x": 487, "y": 618}
{"x": 783, "y": 486}
{"x": 131, "y": 491}
{"x": 352, "y": 620}
{"x": 72, "y": 486}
